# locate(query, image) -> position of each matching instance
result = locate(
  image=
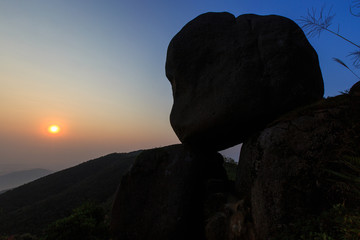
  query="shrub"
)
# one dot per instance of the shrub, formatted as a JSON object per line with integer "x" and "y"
{"x": 87, "y": 222}
{"x": 337, "y": 223}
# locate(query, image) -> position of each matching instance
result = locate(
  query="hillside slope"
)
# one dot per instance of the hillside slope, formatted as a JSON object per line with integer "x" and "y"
{"x": 15, "y": 179}
{"x": 31, "y": 207}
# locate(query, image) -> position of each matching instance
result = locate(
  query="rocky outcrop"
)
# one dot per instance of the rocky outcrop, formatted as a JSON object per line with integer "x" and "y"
{"x": 163, "y": 195}
{"x": 231, "y": 76}
{"x": 244, "y": 79}
{"x": 290, "y": 169}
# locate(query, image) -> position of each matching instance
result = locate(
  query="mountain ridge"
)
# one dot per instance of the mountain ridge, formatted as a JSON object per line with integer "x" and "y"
{"x": 18, "y": 178}
{"x": 31, "y": 207}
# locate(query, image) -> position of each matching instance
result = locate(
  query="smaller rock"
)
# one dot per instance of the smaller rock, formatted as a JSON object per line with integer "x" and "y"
{"x": 283, "y": 171}
{"x": 163, "y": 194}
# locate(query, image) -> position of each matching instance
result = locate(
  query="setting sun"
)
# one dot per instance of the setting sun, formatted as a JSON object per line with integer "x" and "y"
{"x": 54, "y": 129}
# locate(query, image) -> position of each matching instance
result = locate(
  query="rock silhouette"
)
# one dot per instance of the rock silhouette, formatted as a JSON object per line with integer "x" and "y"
{"x": 251, "y": 79}
{"x": 231, "y": 76}
{"x": 162, "y": 196}
{"x": 283, "y": 171}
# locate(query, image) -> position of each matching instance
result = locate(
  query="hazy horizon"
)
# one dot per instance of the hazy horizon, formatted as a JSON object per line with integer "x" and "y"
{"x": 97, "y": 69}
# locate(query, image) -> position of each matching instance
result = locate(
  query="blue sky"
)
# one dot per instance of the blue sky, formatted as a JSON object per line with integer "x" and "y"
{"x": 97, "y": 69}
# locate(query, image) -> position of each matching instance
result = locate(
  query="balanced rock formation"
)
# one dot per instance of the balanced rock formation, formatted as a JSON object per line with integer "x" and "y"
{"x": 162, "y": 196}
{"x": 293, "y": 168}
{"x": 231, "y": 76}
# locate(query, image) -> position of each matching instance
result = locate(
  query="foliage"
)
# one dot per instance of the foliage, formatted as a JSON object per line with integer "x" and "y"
{"x": 314, "y": 23}
{"x": 32, "y": 207}
{"x": 339, "y": 180}
{"x": 355, "y": 8}
{"x": 230, "y": 166}
{"x": 87, "y": 222}
{"x": 347, "y": 170}
{"x": 342, "y": 63}
{"x": 337, "y": 223}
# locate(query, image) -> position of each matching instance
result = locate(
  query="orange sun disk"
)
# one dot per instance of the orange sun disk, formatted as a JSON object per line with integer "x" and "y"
{"x": 54, "y": 129}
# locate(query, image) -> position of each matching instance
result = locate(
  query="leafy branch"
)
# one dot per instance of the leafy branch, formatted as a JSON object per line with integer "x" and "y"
{"x": 314, "y": 23}
{"x": 342, "y": 63}
{"x": 355, "y": 8}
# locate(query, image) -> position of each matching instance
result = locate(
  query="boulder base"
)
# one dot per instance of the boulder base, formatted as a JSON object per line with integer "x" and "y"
{"x": 162, "y": 196}
{"x": 289, "y": 170}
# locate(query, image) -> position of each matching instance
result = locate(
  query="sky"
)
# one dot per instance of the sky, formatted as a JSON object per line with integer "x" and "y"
{"x": 96, "y": 68}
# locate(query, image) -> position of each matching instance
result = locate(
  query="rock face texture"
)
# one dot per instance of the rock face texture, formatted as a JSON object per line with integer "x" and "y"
{"x": 163, "y": 194}
{"x": 287, "y": 170}
{"x": 231, "y": 76}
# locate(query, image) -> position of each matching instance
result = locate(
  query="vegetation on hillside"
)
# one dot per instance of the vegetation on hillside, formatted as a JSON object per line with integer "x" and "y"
{"x": 342, "y": 220}
{"x": 87, "y": 222}
{"x": 230, "y": 166}
{"x": 336, "y": 223}
{"x": 32, "y": 207}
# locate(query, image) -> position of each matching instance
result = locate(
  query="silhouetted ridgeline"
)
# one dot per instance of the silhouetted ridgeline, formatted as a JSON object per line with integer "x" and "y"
{"x": 15, "y": 179}
{"x": 31, "y": 207}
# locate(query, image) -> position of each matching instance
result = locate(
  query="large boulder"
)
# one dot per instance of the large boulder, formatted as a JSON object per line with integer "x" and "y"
{"x": 231, "y": 76}
{"x": 297, "y": 167}
{"x": 162, "y": 196}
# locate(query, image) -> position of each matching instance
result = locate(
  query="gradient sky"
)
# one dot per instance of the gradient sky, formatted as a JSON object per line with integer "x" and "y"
{"x": 96, "y": 68}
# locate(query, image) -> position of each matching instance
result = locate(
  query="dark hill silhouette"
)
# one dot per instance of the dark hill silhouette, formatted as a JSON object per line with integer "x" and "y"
{"x": 15, "y": 179}
{"x": 31, "y": 207}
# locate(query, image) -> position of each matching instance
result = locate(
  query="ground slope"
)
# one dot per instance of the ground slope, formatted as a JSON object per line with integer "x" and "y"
{"x": 31, "y": 207}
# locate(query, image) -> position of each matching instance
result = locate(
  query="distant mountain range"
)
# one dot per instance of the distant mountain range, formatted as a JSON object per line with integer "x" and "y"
{"x": 30, "y": 208}
{"x": 15, "y": 179}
